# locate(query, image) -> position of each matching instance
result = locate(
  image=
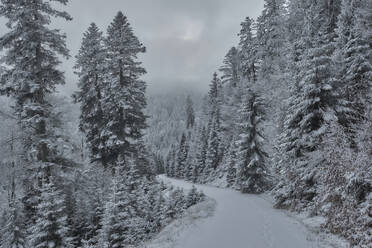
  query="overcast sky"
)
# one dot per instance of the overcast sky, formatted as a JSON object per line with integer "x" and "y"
{"x": 186, "y": 40}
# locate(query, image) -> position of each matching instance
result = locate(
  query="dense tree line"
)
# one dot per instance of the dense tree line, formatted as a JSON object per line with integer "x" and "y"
{"x": 57, "y": 195}
{"x": 291, "y": 112}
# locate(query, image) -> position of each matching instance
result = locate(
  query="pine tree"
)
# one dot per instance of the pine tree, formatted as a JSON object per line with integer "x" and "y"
{"x": 171, "y": 162}
{"x": 201, "y": 154}
{"x": 230, "y": 68}
{"x": 248, "y": 50}
{"x": 90, "y": 63}
{"x": 32, "y": 53}
{"x": 270, "y": 36}
{"x": 214, "y": 142}
{"x": 96, "y": 202}
{"x": 12, "y": 232}
{"x": 192, "y": 197}
{"x": 231, "y": 176}
{"x": 190, "y": 120}
{"x": 120, "y": 214}
{"x": 182, "y": 156}
{"x": 354, "y": 69}
{"x": 51, "y": 228}
{"x": 311, "y": 104}
{"x": 214, "y": 126}
{"x": 124, "y": 99}
{"x": 252, "y": 172}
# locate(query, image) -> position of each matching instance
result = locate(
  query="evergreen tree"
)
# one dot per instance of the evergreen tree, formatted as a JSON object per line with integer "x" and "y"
{"x": 248, "y": 50}
{"x": 120, "y": 214}
{"x": 182, "y": 156}
{"x": 51, "y": 228}
{"x": 124, "y": 99}
{"x": 96, "y": 203}
{"x": 270, "y": 36}
{"x": 31, "y": 53}
{"x": 252, "y": 172}
{"x": 230, "y": 68}
{"x": 312, "y": 101}
{"x": 231, "y": 176}
{"x": 190, "y": 120}
{"x": 90, "y": 63}
{"x": 192, "y": 197}
{"x": 201, "y": 154}
{"x": 214, "y": 125}
{"x": 12, "y": 231}
{"x": 354, "y": 69}
{"x": 214, "y": 142}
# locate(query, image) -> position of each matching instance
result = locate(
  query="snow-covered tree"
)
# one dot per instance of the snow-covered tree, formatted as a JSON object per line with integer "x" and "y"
{"x": 190, "y": 120}
{"x": 90, "y": 63}
{"x": 270, "y": 36}
{"x": 214, "y": 125}
{"x": 230, "y": 68}
{"x": 248, "y": 50}
{"x": 13, "y": 233}
{"x": 182, "y": 155}
{"x": 124, "y": 99}
{"x": 252, "y": 172}
{"x": 192, "y": 197}
{"x": 353, "y": 60}
{"x": 120, "y": 219}
{"x": 231, "y": 174}
{"x": 32, "y": 51}
{"x": 201, "y": 154}
{"x": 214, "y": 142}
{"x": 51, "y": 228}
{"x": 311, "y": 104}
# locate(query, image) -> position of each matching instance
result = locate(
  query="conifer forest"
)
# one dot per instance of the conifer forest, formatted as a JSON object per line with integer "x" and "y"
{"x": 270, "y": 146}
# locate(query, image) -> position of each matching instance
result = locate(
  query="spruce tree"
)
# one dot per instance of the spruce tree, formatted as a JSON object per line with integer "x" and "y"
{"x": 214, "y": 126}
{"x": 90, "y": 63}
{"x": 118, "y": 223}
{"x": 182, "y": 156}
{"x": 311, "y": 103}
{"x": 192, "y": 197}
{"x": 190, "y": 114}
{"x": 270, "y": 36}
{"x": 231, "y": 174}
{"x": 252, "y": 171}
{"x": 230, "y": 68}
{"x": 51, "y": 228}
{"x": 214, "y": 141}
{"x": 248, "y": 50}
{"x": 201, "y": 154}
{"x": 354, "y": 69}
{"x": 32, "y": 51}
{"x": 124, "y": 99}
{"x": 12, "y": 231}
{"x": 96, "y": 201}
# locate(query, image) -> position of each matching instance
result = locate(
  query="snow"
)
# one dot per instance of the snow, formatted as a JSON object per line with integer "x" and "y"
{"x": 240, "y": 221}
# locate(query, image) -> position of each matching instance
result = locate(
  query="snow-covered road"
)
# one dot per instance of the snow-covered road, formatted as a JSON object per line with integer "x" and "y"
{"x": 243, "y": 221}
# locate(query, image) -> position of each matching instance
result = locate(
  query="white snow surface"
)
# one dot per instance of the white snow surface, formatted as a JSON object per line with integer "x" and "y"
{"x": 239, "y": 221}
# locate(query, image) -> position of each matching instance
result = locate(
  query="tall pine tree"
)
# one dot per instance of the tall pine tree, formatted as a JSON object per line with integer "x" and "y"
{"x": 90, "y": 63}
{"x": 124, "y": 100}
{"x": 252, "y": 171}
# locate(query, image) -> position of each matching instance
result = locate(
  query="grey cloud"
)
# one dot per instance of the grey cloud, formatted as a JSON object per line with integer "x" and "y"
{"x": 186, "y": 40}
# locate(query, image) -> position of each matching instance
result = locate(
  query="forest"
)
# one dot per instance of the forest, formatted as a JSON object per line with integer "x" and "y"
{"x": 288, "y": 114}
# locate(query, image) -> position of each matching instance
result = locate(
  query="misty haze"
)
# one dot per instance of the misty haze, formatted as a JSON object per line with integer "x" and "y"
{"x": 185, "y": 124}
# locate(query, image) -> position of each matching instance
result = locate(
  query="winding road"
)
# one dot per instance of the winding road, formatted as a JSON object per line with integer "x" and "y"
{"x": 244, "y": 221}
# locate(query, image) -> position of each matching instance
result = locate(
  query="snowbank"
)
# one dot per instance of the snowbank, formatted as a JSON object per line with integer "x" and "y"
{"x": 169, "y": 236}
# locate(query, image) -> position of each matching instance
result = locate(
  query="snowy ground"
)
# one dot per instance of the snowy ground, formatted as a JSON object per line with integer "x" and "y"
{"x": 239, "y": 221}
